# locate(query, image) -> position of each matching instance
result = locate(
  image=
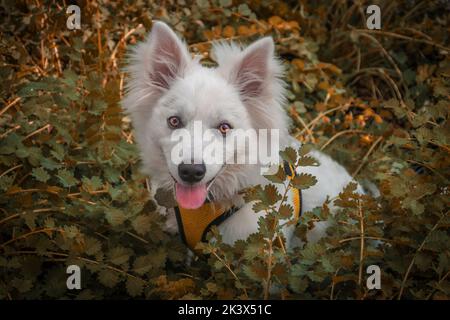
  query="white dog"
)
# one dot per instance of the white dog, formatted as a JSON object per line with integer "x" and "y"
{"x": 168, "y": 91}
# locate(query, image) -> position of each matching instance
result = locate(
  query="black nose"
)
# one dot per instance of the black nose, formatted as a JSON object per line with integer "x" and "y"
{"x": 191, "y": 172}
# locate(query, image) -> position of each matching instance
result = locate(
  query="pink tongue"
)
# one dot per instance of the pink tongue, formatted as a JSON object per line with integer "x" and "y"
{"x": 190, "y": 197}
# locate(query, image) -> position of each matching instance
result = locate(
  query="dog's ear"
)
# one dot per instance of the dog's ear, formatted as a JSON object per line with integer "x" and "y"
{"x": 252, "y": 70}
{"x": 257, "y": 75}
{"x": 153, "y": 65}
{"x": 167, "y": 56}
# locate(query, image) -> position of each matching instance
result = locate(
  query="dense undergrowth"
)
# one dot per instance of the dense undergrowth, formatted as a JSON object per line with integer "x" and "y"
{"x": 71, "y": 191}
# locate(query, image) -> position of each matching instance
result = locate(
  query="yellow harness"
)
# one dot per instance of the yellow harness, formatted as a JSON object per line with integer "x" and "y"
{"x": 194, "y": 224}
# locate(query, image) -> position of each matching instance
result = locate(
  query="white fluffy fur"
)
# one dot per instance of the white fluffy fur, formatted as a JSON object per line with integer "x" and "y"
{"x": 246, "y": 89}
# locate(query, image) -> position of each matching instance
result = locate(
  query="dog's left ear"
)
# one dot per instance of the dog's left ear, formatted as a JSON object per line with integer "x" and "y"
{"x": 252, "y": 70}
{"x": 257, "y": 75}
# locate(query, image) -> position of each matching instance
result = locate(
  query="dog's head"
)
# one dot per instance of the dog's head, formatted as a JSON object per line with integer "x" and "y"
{"x": 169, "y": 92}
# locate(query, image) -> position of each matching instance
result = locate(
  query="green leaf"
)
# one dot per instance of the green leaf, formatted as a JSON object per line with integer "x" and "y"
{"x": 286, "y": 211}
{"x": 40, "y": 174}
{"x": 92, "y": 184}
{"x": 142, "y": 224}
{"x": 50, "y": 164}
{"x": 306, "y": 161}
{"x": 108, "y": 278}
{"x": 278, "y": 177}
{"x": 134, "y": 286}
{"x": 244, "y": 9}
{"x": 115, "y": 217}
{"x": 289, "y": 154}
{"x": 119, "y": 255}
{"x": 66, "y": 178}
{"x": 92, "y": 246}
{"x": 143, "y": 264}
{"x": 304, "y": 181}
{"x": 270, "y": 195}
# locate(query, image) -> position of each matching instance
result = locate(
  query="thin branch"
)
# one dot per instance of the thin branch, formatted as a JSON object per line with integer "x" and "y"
{"x": 11, "y": 169}
{"x": 362, "y": 241}
{"x": 12, "y": 103}
{"x": 405, "y": 278}
{"x": 400, "y": 36}
{"x": 363, "y": 161}
{"x": 229, "y": 269}
{"x": 337, "y": 135}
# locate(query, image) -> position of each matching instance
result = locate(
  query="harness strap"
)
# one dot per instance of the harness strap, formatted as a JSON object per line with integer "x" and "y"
{"x": 194, "y": 224}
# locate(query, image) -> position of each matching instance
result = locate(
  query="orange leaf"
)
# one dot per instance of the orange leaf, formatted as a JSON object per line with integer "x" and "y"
{"x": 228, "y": 32}
{"x": 378, "y": 119}
{"x": 275, "y": 21}
{"x": 243, "y": 30}
{"x": 300, "y": 64}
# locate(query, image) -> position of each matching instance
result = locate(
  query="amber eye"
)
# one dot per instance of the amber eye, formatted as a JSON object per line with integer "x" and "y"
{"x": 224, "y": 128}
{"x": 174, "y": 122}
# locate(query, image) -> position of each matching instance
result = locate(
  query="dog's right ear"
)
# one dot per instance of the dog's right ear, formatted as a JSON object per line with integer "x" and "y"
{"x": 153, "y": 65}
{"x": 166, "y": 58}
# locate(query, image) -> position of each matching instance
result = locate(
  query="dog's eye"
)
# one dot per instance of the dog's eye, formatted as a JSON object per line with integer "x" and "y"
{"x": 174, "y": 122}
{"x": 224, "y": 128}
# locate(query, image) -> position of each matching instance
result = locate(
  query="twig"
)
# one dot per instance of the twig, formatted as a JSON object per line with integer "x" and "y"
{"x": 37, "y": 131}
{"x": 11, "y": 169}
{"x": 269, "y": 271}
{"x": 9, "y": 131}
{"x": 229, "y": 269}
{"x": 362, "y": 242}
{"x": 12, "y": 103}
{"x": 340, "y": 134}
{"x": 297, "y": 117}
{"x": 366, "y": 237}
{"x": 122, "y": 40}
{"x": 333, "y": 284}
{"x": 402, "y": 287}
{"x": 45, "y": 230}
{"x": 400, "y": 36}
{"x": 322, "y": 114}
{"x": 58, "y": 61}
{"x": 439, "y": 282}
{"x": 363, "y": 161}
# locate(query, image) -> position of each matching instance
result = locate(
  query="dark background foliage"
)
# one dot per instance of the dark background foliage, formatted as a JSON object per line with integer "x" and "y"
{"x": 71, "y": 192}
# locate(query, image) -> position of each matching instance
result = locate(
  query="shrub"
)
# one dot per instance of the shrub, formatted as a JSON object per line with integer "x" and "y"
{"x": 71, "y": 191}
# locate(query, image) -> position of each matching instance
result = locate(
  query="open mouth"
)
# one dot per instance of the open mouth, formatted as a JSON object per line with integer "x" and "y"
{"x": 191, "y": 196}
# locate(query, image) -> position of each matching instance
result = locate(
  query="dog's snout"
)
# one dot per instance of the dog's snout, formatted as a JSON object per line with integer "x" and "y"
{"x": 191, "y": 173}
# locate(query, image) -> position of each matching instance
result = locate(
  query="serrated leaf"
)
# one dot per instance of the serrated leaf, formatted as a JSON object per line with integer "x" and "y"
{"x": 270, "y": 195}
{"x": 92, "y": 246}
{"x": 134, "y": 286}
{"x": 289, "y": 155}
{"x": 108, "y": 278}
{"x": 278, "y": 177}
{"x": 66, "y": 178}
{"x": 304, "y": 181}
{"x": 142, "y": 224}
{"x": 119, "y": 255}
{"x": 115, "y": 217}
{"x": 40, "y": 174}
{"x": 286, "y": 211}
{"x": 306, "y": 161}
{"x": 143, "y": 264}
